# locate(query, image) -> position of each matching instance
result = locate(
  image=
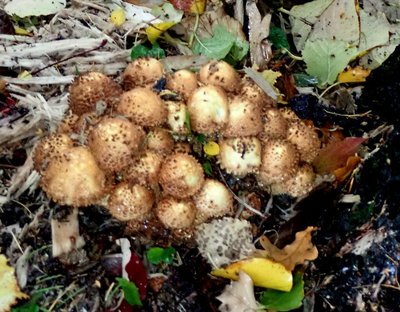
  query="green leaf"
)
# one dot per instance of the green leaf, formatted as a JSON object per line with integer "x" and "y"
{"x": 304, "y": 80}
{"x": 201, "y": 138}
{"x": 285, "y": 301}
{"x": 157, "y": 255}
{"x": 325, "y": 59}
{"x": 30, "y": 306}
{"x": 141, "y": 51}
{"x": 207, "y": 168}
{"x": 131, "y": 292}
{"x": 187, "y": 122}
{"x": 239, "y": 49}
{"x": 278, "y": 38}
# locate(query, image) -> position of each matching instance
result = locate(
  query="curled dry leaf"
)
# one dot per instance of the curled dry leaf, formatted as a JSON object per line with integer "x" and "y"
{"x": 298, "y": 252}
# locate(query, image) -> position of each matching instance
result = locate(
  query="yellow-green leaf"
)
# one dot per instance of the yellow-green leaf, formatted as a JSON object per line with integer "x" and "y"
{"x": 118, "y": 17}
{"x": 155, "y": 31}
{"x": 211, "y": 148}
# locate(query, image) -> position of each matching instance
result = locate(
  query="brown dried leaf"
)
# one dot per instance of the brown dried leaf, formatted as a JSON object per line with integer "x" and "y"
{"x": 300, "y": 250}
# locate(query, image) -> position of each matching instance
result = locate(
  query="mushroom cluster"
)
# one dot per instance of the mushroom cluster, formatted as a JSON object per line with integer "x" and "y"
{"x": 124, "y": 145}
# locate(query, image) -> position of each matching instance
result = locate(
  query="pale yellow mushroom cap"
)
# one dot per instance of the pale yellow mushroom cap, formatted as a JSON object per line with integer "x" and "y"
{"x": 220, "y": 73}
{"x": 176, "y": 213}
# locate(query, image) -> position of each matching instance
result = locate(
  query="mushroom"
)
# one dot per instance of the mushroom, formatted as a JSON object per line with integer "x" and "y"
{"x": 244, "y": 118}
{"x": 213, "y": 200}
{"x": 280, "y": 160}
{"x": 145, "y": 169}
{"x": 160, "y": 140}
{"x": 220, "y": 73}
{"x": 129, "y": 202}
{"x": 181, "y": 175}
{"x": 74, "y": 178}
{"x": 143, "y": 107}
{"x": 255, "y": 94}
{"x": 240, "y": 156}
{"x": 183, "y": 82}
{"x": 142, "y": 72}
{"x": 305, "y": 138}
{"x": 91, "y": 91}
{"x": 208, "y": 109}
{"x": 176, "y": 213}
{"x": 275, "y": 125}
{"x": 114, "y": 141}
{"x": 177, "y": 117}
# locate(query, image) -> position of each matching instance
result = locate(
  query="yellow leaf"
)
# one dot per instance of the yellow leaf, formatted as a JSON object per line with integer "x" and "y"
{"x": 22, "y": 32}
{"x": 198, "y": 7}
{"x": 300, "y": 250}
{"x": 211, "y": 148}
{"x": 264, "y": 273}
{"x": 118, "y": 17}
{"x": 270, "y": 76}
{"x": 356, "y": 74}
{"x": 9, "y": 289}
{"x": 24, "y": 75}
{"x": 155, "y": 31}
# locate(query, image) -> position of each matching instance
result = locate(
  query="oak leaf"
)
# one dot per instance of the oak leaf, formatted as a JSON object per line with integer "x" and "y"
{"x": 300, "y": 250}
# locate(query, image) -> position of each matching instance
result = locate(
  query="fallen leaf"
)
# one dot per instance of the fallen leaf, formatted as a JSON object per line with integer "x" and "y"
{"x": 300, "y": 250}
{"x": 153, "y": 32}
{"x": 190, "y": 6}
{"x": 118, "y": 17}
{"x": 23, "y": 8}
{"x": 271, "y": 76}
{"x": 344, "y": 172}
{"x": 356, "y": 74}
{"x": 335, "y": 155}
{"x": 9, "y": 289}
{"x": 211, "y": 148}
{"x": 239, "y": 296}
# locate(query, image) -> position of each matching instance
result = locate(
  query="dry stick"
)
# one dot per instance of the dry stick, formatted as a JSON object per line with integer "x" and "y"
{"x": 102, "y": 44}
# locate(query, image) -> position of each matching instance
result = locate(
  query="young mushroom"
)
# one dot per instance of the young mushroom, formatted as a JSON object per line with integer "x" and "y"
{"x": 142, "y": 72}
{"x": 176, "y": 213}
{"x": 183, "y": 82}
{"x": 220, "y": 73}
{"x": 160, "y": 141}
{"x": 145, "y": 169}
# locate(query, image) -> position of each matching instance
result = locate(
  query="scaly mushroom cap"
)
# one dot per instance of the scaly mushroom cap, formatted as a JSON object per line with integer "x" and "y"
{"x": 50, "y": 147}
{"x": 181, "y": 175}
{"x": 289, "y": 114}
{"x": 208, "y": 109}
{"x": 177, "y": 115}
{"x": 244, "y": 118}
{"x": 160, "y": 141}
{"x": 256, "y": 95}
{"x": 74, "y": 178}
{"x": 212, "y": 201}
{"x": 298, "y": 185}
{"x": 143, "y": 107}
{"x": 240, "y": 156}
{"x": 176, "y": 214}
{"x": 67, "y": 125}
{"x": 91, "y": 90}
{"x": 145, "y": 169}
{"x": 142, "y": 72}
{"x": 182, "y": 147}
{"x": 220, "y": 73}
{"x": 114, "y": 141}
{"x": 130, "y": 202}
{"x": 306, "y": 140}
{"x": 183, "y": 82}
{"x": 275, "y": 125}
{"x": 280, "y": 160}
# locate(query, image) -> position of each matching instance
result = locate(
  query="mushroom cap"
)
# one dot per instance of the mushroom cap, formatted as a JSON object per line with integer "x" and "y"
{"x": 256, "y": 95}
{"x": 141, "y": 72}
{"x": 160, "y": 141}
{"x": 213, "y": 200}
{"x": 220, "y": 73}
{"x": 177, "y": 117}
{"x": 145, "y": 168}
{"x": 50, "y": 147}
{"x": 240, "y": 156}
{"x": 280, "y": 160}
{"x": 181, "y": 175}
{"x": 275, "y": 125}
{"x": 305, "y": 138}
{"x": 175, "y": 213}
{"x": 130, "y": 202}
{"x": 208, "y": 109}
{"x": 183, "y": 82}
{"x": 143, "y": 107}
{"x": 90, "y": 90}
{"x": 182, "y": 147}
{"x": 245, "y": 118}
{"x": 114, "y": 141}
{"x": 289, "y": 114}
{"x": 74, "y": 178}
{"x": 300, "y": 184}
{"x": 67, "y": 125}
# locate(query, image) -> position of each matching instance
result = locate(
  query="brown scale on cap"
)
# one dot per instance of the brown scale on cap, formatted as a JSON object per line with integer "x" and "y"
{"x": 182, "y": 147}
{"x": 240, "y": 156}
{"x": 49, "y": 148}
{"x": 208, "y": 109}
{"x": 91, "y": 90}
{"x": 213, "y": 200}
{"x": 220, "y": 73}
{"x": 114, "y": 141}
{"x": 160, "y": 141}
{"x": 143, "y": 107}
{"x": 176, "y": 213}
{"x": 181, "y": 175}
{"x": 244, "y": 118}
{"x": 145, "y": 169}
{"x": 280, "y": 160}
{"x": 67, "y": 125}
{"x": 74, "y": 178}
{"x": 306, "y": 140}
{"x": 289, "y": 114}
{"x": 130, "y": 202}
{"x": 183, "y": 82}
{"x": 142, "y": 72}
{"x": 256, "y": 95}
{"x": 275, "y": 125}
